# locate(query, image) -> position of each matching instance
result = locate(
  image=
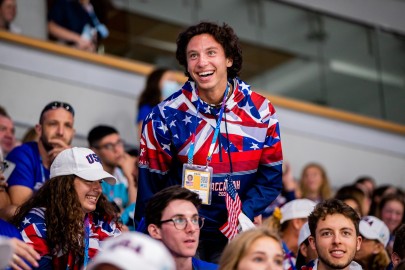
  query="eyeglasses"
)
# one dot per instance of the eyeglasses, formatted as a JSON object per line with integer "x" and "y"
{"x": 180, "y": 223}
{"x": 56, "y": 105}
{"x": 110, "y": 146}
{"x": 3, "y": 166}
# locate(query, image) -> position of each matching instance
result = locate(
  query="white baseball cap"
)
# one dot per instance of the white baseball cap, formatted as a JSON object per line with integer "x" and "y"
{"x": 6, "y": 252}
{"x": 299, "y": 208}
{"x": 81, "y": 162}
{"x": 304, "y": 234}
{"x": 134, "y": 250}
{"x": 375, "y": 229}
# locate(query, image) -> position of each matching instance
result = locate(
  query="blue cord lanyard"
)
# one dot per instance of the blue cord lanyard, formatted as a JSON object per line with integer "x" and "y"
{"x": 214, "y": 139}
{"x": 86, "y": 241}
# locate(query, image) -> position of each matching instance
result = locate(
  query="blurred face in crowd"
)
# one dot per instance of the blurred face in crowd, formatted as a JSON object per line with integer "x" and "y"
{"x": 335, "y": 241}
{"x": 8, "y": 11}
{"x": 110, "y": 149}
{"x": 392, "y": 214}
{"x": 56, "y": 128}
{"x": 7, "y": 138}
{"x": 313, "y": 179}
{"x": 88, "y": 193}
{"x": 181, "y": 243}
{"x": 265, "y": 253}
{"x": 368, "y": 249}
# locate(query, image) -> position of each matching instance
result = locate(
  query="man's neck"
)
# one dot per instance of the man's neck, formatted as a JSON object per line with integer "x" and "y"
{"x": 214, "y": 97}
{"x": 46, "y": 161}
{"x": 183, "y": 263}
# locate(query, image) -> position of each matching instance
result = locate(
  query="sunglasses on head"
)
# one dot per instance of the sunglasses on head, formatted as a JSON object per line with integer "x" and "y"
{"x": 56, "y": 105}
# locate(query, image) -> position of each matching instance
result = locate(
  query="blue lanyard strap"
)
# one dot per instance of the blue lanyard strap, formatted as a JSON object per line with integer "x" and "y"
{"x": 86, "y": 241}
{"x": 215, "y": 137}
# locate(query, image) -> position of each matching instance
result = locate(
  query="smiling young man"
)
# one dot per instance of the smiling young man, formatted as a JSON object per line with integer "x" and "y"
{"x": 33, "y": 159}
{"x": 172, "y": 217}
{"x": 335, "y": 235}
{"x": 215, "y": 128}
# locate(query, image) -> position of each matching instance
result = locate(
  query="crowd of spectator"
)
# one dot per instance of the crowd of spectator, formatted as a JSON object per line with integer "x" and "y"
{"x": 65, "y": 207}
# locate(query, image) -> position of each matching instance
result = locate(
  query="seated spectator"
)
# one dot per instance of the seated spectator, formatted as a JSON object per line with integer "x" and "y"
{"x": 392, "y": 213}
{"x": 106, "y": 142}
{"x": 33, "y": 159}
{"x": 23, "y": 255}
{"x": 67, "y": 218}
{"x": 335, "y": 235}
{"x": 367, "y": 185}
{"x": 354, "y": 197}
{"x": 133, "y": 250}
{"x": 372, "y": 254}
{"x": 77, "y": 23}
{"x": 254, "y": 249}
{"x": 398, "y": 250}
{"x": 8, "y": 12}
{"x": 378, "y": 194}
{"x": 172, "y": 217}
{"x": 288, "y": 224}
{"x": 160, "y": 84}
{"x": 7, "y": 138}
{"x": 314, "y": 183}
{"x": 305, "y": 252}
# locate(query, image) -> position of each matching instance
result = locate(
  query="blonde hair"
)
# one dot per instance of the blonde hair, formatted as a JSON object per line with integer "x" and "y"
{"x": 238, "y": 247}
{"x": 325, "y": 190}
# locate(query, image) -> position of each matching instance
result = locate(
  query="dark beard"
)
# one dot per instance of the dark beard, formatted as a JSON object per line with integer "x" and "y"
{"x": 335, "y": 266}
{"x": 48, "y": 147}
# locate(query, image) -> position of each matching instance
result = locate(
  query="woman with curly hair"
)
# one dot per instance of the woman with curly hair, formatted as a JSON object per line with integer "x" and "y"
{"x": 69, "y": 216}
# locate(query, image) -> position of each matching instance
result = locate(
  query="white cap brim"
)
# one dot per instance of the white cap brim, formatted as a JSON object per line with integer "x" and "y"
{"x": 95, "y": 175}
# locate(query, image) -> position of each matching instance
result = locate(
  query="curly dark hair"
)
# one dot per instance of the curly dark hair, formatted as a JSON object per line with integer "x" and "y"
{"x": 152, "y": 94}
{"x": 63, "y": 214}
{"x": 161, "y": 199}
{"x": 224, "y": 35}
{"x": 331, "y": 207}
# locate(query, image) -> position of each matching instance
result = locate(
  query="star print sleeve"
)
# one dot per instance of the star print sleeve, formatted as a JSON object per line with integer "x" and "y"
{"x": 268, "y": 180}
{"x": 33, "y": 232}
{"x": 154, "y": 161}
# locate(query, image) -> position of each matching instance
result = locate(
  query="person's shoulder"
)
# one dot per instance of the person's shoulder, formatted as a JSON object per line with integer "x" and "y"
{"x": 24, "y": 150}
{"x": 199, "y": 264}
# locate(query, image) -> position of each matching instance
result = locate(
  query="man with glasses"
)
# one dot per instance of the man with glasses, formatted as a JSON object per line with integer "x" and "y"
{"x": 172, "y": 217}
{"x": 106, "y": 142}
{"x": 33, "y": 159}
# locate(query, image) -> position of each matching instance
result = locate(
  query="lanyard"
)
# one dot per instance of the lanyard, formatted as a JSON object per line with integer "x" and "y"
{"x": 86, "y": 241}
{"x": 215, "y": 137}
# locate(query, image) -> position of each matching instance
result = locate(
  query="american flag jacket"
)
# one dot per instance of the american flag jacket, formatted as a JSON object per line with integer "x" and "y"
{"x": 249, "y": 132}
{"x": 34, "y": 232}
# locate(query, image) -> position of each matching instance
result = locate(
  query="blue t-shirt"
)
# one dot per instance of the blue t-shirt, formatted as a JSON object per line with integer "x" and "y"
{"x": 202, "y": 265}
{"x": 143, "y": 111}
{"x": 9, "y": 230}
{"x": 29, "y": 170}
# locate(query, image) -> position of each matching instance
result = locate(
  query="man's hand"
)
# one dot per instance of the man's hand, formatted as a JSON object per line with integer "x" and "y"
{"x": 23, "y": 252}
{"x": 127, "y": 165}
{"x": 58, "y": 146}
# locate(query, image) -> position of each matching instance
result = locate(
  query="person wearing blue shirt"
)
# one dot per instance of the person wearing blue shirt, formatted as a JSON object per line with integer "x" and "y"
{"x": 33, "y": 159}
{"x": 172, "y": 217}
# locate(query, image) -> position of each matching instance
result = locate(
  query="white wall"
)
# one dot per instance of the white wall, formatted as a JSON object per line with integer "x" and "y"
{"x": 30, "y": 79}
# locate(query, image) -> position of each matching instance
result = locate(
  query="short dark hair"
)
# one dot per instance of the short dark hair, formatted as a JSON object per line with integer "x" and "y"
{"x": 399, "y": 242}
{"x": 159, "y": 201}
{"x": 3, "y": 111}
{"x": 56, "y": 105}
{"x": 224, "y": 35}
{"x": 331, "y": 207}
{"x": 99, "y": 132}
